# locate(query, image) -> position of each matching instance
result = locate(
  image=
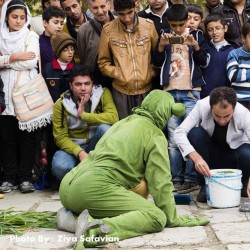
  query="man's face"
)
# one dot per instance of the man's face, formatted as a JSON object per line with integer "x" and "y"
{"x": 157, "y": 4}
{"x": 127, "y": 17}
{"x": 178, "y": 27}
{"x": 221, "y": 114}
{"x": 212, "y": 3}
{"x": 72, "y": 9}
{"x": 99, "y": 9}
{"x": 237, "y": 2}
{"x": 246, "y": 42}
{"x": 81, "y": 86}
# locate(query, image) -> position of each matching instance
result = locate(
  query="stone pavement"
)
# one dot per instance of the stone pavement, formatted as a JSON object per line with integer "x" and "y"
{"x": 228, "y": 229}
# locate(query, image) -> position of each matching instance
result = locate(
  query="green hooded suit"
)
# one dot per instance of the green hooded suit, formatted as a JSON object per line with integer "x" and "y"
{"x": 132, "y": 149}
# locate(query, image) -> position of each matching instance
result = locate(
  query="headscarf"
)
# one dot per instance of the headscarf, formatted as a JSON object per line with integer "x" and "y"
{"x": 11, "y": 42}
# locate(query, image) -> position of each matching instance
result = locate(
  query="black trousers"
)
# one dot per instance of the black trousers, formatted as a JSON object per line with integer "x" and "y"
{"x": 17, "y": 151}
{"x": 216, "y": 157}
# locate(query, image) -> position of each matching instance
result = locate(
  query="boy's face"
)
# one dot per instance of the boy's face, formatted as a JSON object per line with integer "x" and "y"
{"x": 127, "y": 17}
{"x": 194, "y": 21}
{"x": 246, "y": 42}
{"x": 178, "y": 27}
{"x": 67, "y": 54}
{"x": 55, "y": 24}
{"x": 216, "y": 31}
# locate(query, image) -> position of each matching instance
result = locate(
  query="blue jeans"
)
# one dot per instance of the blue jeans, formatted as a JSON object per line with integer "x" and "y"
{"x": 219, "y": 157}
{"x": 63, "y": 162}
{"x": 180, "y": 173}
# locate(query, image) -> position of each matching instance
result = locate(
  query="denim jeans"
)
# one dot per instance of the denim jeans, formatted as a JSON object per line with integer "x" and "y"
{"x": 219, "y": 157}
{"x": 63, "y": 162}
{"x": 181, "y": 170}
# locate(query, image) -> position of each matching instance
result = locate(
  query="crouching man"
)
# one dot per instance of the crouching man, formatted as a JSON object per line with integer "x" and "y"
{"x": 80, "y": 118}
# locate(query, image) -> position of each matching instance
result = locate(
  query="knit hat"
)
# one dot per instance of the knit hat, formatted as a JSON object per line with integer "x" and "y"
{"x": 59, "y": 41}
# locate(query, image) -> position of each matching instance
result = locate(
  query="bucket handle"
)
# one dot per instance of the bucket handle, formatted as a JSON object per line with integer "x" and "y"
{"x": 222, "y": 184}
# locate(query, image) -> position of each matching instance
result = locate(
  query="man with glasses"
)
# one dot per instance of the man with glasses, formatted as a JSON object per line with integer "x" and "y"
{"x": 80, "y": 118}
{"x": 216, "y": 134}
{"x": 75, "y": 17}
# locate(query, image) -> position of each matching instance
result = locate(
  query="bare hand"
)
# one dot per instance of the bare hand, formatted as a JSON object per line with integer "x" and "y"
{"x": 164, "y": 40}
{"x": 82, "y": 155}
{"x": 22, "y": 56}
{"x": 199, "y": 163}
{"x": 82, "y": 103}
{"x": 189, "y": 40}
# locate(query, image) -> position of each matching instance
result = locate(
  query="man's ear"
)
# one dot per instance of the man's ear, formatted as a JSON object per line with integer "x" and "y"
{"x": 46, "y": 4}
{"x": 45, "y": 23}
{"x": 243, "y": 39}
{"x": 226, "y": 28}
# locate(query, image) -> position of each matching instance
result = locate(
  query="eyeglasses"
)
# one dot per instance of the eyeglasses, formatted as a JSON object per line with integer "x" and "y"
{"x": 214, "y": 30}
{"x": 68, "y": 49}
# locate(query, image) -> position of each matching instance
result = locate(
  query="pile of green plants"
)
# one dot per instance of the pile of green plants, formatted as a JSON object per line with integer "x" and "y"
{"x": 17, "y": 222}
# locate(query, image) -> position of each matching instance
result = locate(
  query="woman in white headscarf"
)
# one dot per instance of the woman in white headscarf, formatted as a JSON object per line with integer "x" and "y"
{"x": 19, "y": 50}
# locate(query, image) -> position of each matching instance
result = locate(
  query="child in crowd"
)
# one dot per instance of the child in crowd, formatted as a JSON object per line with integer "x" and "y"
{"x": 180, "y": 55}
{"x": 238, "y": 69}
{"x": 195, "y": 15}
{"x": 215, "y": 72}
{"x": 53, "y": 21}
{"x": 56, "y": 73}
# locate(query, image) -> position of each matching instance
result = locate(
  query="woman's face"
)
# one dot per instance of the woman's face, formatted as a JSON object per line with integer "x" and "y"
{"x": 16, "y": 19}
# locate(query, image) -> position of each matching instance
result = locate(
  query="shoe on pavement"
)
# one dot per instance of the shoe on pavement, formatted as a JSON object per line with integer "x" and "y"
{"x": 83, "y": 225}
{"x": 177, "y": 185}
{"x": 7, "y": 187}
{"x": 65, "y": 220}
{"x": 26, "y": 187}
{"x": 187, "y": 187}
{"x": 202, "y": 197}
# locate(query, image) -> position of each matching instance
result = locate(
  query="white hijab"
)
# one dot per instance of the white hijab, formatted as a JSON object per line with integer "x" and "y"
{"x": 11, "y": 42}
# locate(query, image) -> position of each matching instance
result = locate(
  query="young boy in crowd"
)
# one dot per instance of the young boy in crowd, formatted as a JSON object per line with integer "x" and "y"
{"x": 195, "y": 15}
{"x": 180, "y": 56}
{"x": 238, "y": 69}
{"x": 56, "y": 73}
{"x": 53, "y": 21}
{"x": 215, "y": 72}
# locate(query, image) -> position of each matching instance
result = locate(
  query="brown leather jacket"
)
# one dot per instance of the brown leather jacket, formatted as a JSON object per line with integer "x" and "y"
{"x": 126, "y": 56}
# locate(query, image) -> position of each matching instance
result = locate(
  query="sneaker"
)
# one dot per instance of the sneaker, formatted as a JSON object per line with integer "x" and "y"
{"x": 26, "y": 187}
{"x": 187, "y": 187}
{"x": 202, "y": 197}
{"x": 177, "y": 185}
{"x": 6, "y": 187}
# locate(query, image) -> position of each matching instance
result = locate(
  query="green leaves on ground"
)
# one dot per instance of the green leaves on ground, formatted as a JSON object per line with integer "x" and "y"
{"x": 17, "y": 222}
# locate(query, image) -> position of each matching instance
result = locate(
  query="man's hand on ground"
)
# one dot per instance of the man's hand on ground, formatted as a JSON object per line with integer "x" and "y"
{"x": 82, "y": 155}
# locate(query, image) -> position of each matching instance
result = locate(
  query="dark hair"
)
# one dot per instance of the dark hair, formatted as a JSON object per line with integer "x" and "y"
{"x": 177, "y": 12}
{"x": 224, "y": 96}
{"x": 43, "y": 3}
{"x": 79, "y": 70}
{"x": 52, "y": 11}
{"x": 214, "y": 17}
{"x": 196, "y": 9}
{"x": 123, "y": 4}
{"x": 61, "y": 1}
{"x": 14, "y": 5}
{"x": 246, "y": 28}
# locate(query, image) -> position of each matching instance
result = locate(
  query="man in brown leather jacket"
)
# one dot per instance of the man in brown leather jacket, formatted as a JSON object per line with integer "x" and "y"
{"x": 125, "y": 55}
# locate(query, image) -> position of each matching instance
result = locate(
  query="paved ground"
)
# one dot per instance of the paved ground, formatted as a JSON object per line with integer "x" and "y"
{"x": 229, "y": 229}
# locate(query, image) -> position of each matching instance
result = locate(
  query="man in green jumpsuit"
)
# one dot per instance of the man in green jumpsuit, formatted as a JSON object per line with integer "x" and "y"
{"x": 132, "y": 149}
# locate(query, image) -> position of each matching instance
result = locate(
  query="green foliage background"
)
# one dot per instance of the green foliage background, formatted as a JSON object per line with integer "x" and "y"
{"x": 36, "y": 9}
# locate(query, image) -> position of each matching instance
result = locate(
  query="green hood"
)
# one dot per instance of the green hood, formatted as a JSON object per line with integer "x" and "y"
{"x": 159, "y": 106}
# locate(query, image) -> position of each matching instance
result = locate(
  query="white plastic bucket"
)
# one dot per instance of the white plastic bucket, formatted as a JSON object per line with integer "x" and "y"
{"x": 223, "y": 188}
